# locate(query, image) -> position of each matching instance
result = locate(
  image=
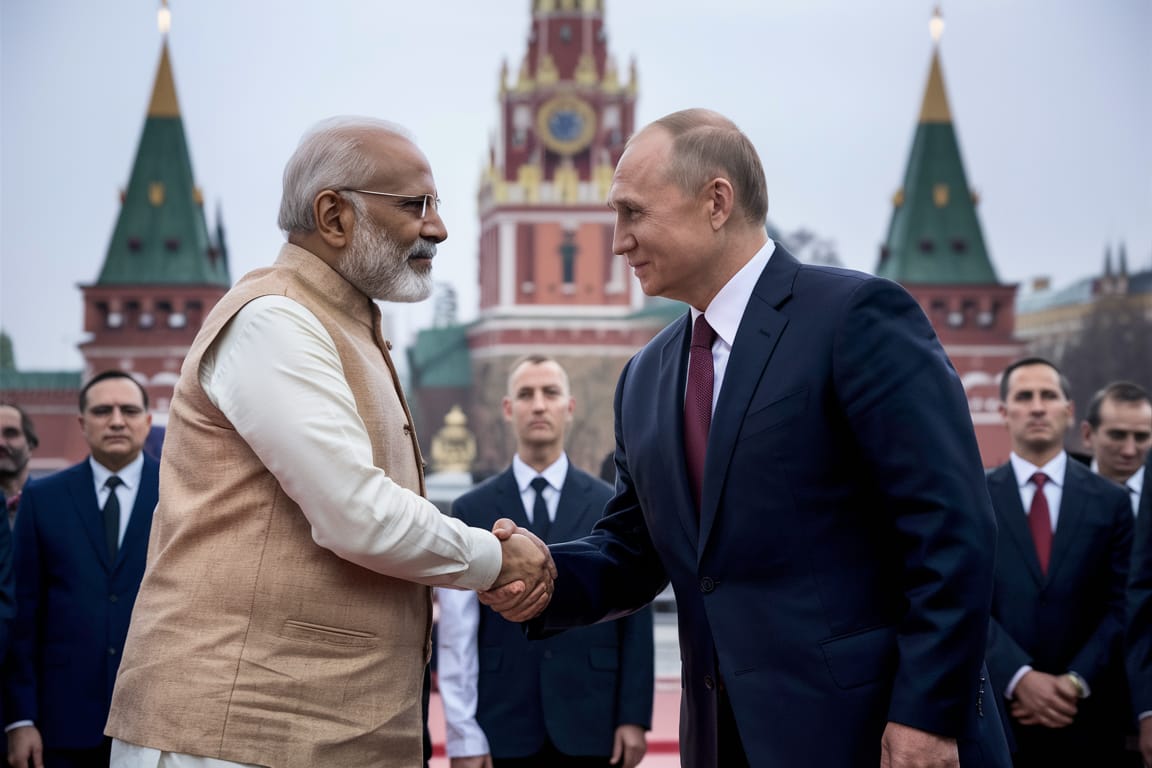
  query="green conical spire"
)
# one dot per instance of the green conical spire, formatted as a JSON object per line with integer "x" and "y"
{"x": 161, "y": 237}
{"x": 935, "y": 235}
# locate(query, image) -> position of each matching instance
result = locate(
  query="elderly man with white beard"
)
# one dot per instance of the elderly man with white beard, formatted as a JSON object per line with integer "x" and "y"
{"x": 284, "y": 616}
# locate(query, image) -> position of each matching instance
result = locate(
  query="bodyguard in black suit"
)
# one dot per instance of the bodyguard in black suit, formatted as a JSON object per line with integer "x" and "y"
{"x": 580, "y": 699}
{"x": 1055, "y": 639}
{"x": 81, "y": 538}
{"x": 1140, "y": 617}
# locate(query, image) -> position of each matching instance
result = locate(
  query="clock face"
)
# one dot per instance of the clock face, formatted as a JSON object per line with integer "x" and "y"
{"x": 566, "y": 124}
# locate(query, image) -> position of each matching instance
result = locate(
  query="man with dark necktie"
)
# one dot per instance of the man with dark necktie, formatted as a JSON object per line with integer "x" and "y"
{"x": 811, "y": 487}
{"x": 1055, "y": 639}
{"x": 80, "y": 543}
{"x": 581, "y": 699}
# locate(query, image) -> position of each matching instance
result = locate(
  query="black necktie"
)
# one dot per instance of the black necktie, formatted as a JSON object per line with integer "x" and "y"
{"x": 112, "y": 516}
{"x": 541, "y": 523}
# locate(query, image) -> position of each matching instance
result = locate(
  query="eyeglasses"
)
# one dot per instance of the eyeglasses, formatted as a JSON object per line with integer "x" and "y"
{"x": 426, "y": 200}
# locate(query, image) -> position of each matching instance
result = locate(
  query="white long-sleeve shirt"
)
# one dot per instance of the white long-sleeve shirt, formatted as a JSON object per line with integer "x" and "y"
{"x": 275, "y": 373}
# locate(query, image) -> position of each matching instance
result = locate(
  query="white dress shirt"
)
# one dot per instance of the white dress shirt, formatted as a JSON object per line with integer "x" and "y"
{"x": 125, "y": 492}
{"x": 1134, "y": 485}
{"x": 1054, "y": 493}
{"x": 275, "y": 374}
{"x": 727, "y": 309}
{"x": 457, "y": 662}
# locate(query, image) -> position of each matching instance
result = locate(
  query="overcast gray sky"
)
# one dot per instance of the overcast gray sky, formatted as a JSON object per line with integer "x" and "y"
{"x": 1052, "y": 100}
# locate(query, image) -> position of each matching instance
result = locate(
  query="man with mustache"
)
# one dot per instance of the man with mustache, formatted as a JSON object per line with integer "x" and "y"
{"x": 284, "y": 619}
{"x": 1055, "y": 650}
{"x": 80, "y": 543}
{"x": 17, "y": 441}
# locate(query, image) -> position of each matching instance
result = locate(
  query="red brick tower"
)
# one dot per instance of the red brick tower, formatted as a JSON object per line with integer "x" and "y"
{"x": 935, "y": 248}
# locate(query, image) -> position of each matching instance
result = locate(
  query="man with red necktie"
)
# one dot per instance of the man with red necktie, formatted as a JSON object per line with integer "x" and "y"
{"x": 1055, "y": 639}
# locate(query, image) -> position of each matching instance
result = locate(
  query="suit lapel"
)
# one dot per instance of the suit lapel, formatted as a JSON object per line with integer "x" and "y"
{"x": 508, "y": 500}
{"x": 572, "y": 513}
{"x": 1068, "y": 522}
{"x": 760, "y": 330}
{"x": 1006, "y": 500}
{"x": 140, "y": 522}
{"x": 85, "y": 503}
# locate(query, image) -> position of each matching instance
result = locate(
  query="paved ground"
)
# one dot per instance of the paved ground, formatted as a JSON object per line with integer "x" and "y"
{"x": 663, "y": 749}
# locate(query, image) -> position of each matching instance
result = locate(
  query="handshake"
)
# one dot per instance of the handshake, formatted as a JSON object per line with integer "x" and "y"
{"x": 527, "y": 574}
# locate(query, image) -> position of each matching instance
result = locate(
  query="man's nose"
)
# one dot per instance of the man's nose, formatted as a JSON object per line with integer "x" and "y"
{"x": 434, "y": 228}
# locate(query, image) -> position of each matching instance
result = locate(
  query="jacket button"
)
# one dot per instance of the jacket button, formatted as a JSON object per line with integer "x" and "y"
{"x": 112, "y": 598}
{"x": 388, "y": 345}
{"x": 709, "y": 683}
{"x": 111, "y": 651}
{"x": 547, "y": 654}
{"x": 707, "y": 584}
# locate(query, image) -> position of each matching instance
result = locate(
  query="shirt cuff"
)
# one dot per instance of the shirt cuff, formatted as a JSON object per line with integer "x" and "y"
{"x": 18, "y": 724}
{"x": 1011, "y": 689}
{"x": 484, "y": 565}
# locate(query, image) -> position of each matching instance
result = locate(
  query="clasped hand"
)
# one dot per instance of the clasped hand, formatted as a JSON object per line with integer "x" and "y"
{"x": 527, "y": 573}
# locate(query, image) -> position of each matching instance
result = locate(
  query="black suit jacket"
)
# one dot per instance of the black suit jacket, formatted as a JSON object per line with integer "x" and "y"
{"x": 72, "y": 604}
{"x": 838, "y": 573}
{"x": 7, "y": 593}
{"x": 1140, "y": 602}
{"x": 1071, "y": 619}
{"x": 575, "y": 688}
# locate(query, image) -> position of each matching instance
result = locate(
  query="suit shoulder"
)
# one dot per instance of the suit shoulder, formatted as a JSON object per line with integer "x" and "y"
{"x": 480, "y": 497}
{"x": 1093, "y": 483}
{"x": 58, "y": 480}
{"x": 589, "y": 482}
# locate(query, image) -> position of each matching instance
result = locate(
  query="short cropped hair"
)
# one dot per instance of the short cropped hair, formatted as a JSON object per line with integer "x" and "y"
{"x": 105, "y": 376}
{"x": 1117, "y": 392}
{"x": 537, "y": 359}
{"x": 330, "y": 156}
{"x": 1065, "y": 385}
{"x": 705, "y": 144}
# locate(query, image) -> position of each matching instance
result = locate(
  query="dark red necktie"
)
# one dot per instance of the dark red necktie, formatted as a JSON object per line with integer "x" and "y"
{"x": 1040, "y": 522}
{"x": 698, "y": 403}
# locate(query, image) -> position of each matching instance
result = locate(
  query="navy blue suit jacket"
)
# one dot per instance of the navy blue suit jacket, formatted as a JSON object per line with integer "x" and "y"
{"x": 72, "y": 604}
{"x": 1140, "y": 602}
{"x": 7, "y": 594}
{"x": 1072, "y": 618}
{"x": 839, "y": 573}
{"x": 575, "y": 688}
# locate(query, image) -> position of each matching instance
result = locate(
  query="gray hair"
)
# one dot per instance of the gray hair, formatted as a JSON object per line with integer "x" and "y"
{"x": 330, "y": 156}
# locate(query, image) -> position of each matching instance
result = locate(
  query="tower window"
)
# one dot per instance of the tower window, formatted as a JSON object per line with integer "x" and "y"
{"x": 172, "y": 243}
{"x": 959, "y": 245}
{"x": 565, "y": 33}
{"x": 926, "y": 245}
{"x": 134, "y": 244}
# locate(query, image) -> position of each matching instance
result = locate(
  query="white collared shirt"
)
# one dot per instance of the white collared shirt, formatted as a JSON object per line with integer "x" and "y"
{"x": 553, "y": 473}
{"x": 125, "y": 492}
{"x": 1134, "y": 485}
{"x": 276, "y": 375}
{"x": 1053, "y": 488}
{"x": 1055, "y": 469}
{"x": 726, "y": 310}
{"x": 457, "y": 661}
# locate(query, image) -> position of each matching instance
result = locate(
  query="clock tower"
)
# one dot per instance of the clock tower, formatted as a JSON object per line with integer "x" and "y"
{"x": 549, "y": 281}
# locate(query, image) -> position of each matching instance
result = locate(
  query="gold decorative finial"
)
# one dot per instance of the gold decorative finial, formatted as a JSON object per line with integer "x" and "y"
{"x": 936, "y": 25}
{"x": 164, "y": 18}
{"x": 454, "y": 447}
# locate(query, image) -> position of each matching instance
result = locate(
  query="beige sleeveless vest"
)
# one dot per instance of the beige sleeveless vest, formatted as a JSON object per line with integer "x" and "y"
{"x": 248, "y": 641}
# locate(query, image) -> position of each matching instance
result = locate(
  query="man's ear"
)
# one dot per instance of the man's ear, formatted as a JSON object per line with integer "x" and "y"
{"x": 722, "y": 199}
{"x": 335, "y": 218}
{"x": 1086, "y": 434}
